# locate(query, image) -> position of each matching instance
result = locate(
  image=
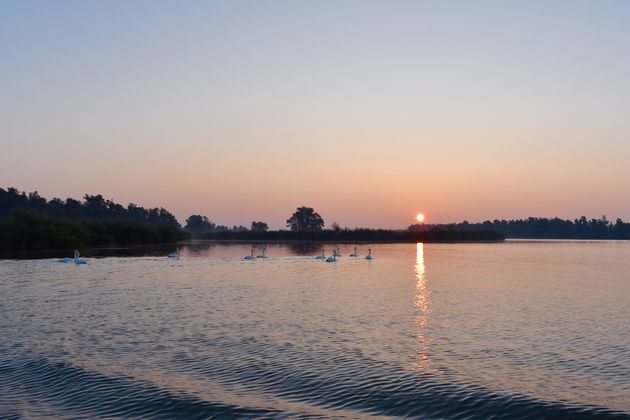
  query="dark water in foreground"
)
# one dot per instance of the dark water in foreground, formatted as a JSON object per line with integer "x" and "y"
{"x": 509, "y": 330}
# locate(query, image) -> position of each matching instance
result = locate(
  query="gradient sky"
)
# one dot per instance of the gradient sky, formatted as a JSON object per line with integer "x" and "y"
{"x": 367, "y": 111}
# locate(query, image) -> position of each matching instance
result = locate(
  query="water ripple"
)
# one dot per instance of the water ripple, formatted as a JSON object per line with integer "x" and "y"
{"x": 402, "y": 336}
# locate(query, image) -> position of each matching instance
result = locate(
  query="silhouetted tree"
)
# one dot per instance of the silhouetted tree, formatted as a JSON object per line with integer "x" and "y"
{"x": 95, "y": 206}
{"x": 199, "y": 224}
{"x": 259, "y": 227}
{"x": 305, "y": 219}
{"x": 74, "y": 209}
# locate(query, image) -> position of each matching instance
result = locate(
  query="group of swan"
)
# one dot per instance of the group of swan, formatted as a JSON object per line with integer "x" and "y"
{"x": 336, "y": 253}
{"x": 246, "y": 257}
{"x": 175, "y": 255}
{"x": 367, "y": 257}
{"x": 77, "y": 258}
{"x": 251, "y": 254}
{"x": 332, "y": 258}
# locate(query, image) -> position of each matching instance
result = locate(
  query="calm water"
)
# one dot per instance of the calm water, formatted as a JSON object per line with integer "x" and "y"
{"x": 437, "y": 330}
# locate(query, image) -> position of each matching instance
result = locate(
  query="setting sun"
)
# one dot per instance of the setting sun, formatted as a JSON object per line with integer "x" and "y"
{"x": 420, "y": 217}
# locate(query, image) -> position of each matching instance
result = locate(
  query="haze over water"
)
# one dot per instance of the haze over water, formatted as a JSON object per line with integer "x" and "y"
{"x": 515, "y": 329}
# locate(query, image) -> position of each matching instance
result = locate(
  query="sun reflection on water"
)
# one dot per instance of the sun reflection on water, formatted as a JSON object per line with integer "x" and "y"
{"x": 423, "y": 308}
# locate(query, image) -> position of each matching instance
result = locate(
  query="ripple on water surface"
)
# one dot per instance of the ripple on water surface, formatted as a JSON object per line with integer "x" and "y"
{"x": 512, "y": 330}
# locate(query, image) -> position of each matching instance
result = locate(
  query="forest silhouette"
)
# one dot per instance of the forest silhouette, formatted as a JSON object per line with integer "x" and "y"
{"x": 542, "y": 228}
{"x": 29, "y": 221}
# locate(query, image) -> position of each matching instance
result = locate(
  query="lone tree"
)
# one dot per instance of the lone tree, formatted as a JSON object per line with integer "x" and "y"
{"x": 259, "y": 227}
{"x": 305, "y": 219}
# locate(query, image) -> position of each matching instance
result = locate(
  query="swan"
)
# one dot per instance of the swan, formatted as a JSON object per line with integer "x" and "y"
{"x": 78, "y": 260}
{"x": 263, "y": 253}
{"x": 336, "y": 252}
{"x": 354, "y": 254}
{"x": 73, "y": 259}
{"x": 369, "y": 255}
{"x": 250, "y": 256}
{"x": 332, "y": 258}
{"x": 321, "y": 257}
{"x": 174, "y": 254}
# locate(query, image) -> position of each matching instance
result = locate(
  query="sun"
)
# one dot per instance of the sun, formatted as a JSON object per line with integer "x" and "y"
{"x": 420, "y": 217}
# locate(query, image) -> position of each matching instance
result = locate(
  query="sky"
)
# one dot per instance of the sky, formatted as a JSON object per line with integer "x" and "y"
{"x": 368, "y": 111}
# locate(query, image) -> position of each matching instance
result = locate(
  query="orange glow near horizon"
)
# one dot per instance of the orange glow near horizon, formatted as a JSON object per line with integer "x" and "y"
{"x": 420, "y": 217}
{"x": 248, "y": 124}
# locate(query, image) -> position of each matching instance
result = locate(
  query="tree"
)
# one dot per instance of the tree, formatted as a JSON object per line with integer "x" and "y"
{"x": 198, "y": 223}
{"x": 305, "y": 219}
{"x": 95, "y": 206}
{"x": 259, "y": 227}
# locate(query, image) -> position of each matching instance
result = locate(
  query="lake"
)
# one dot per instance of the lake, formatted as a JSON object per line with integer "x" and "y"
{"x": 520, "y": 329}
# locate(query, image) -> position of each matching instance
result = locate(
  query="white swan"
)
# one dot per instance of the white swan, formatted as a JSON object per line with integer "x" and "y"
{"x": 321, "y": 257}
{"x": 369, "y": 255}
{"x": 250, "y": 256}
{"x": 332, "y": 258}
{"x": 354, "y": 254}
{"x": 263, "y": 253}
{"x": 336, "y": 252}
{"x": 174, "y": 254}
{"x": 78, "y": 260}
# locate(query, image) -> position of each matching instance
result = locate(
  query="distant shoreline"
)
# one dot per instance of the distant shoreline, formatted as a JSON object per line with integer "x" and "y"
{"x": 358, "y": 236}
{"x": 345, "y": 242}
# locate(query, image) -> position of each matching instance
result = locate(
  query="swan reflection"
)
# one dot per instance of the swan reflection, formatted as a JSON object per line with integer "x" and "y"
{"x": 423, "y": 308}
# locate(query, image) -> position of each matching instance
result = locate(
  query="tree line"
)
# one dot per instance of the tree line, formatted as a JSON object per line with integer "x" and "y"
{"x": 305, "y": 224}
{"x": 92, "y": 208}
{"x": 29, "y": 221}
{"x": 544, "y": 228}
{"x": 304, "y": 219}
{"x": 198, "y": 224}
